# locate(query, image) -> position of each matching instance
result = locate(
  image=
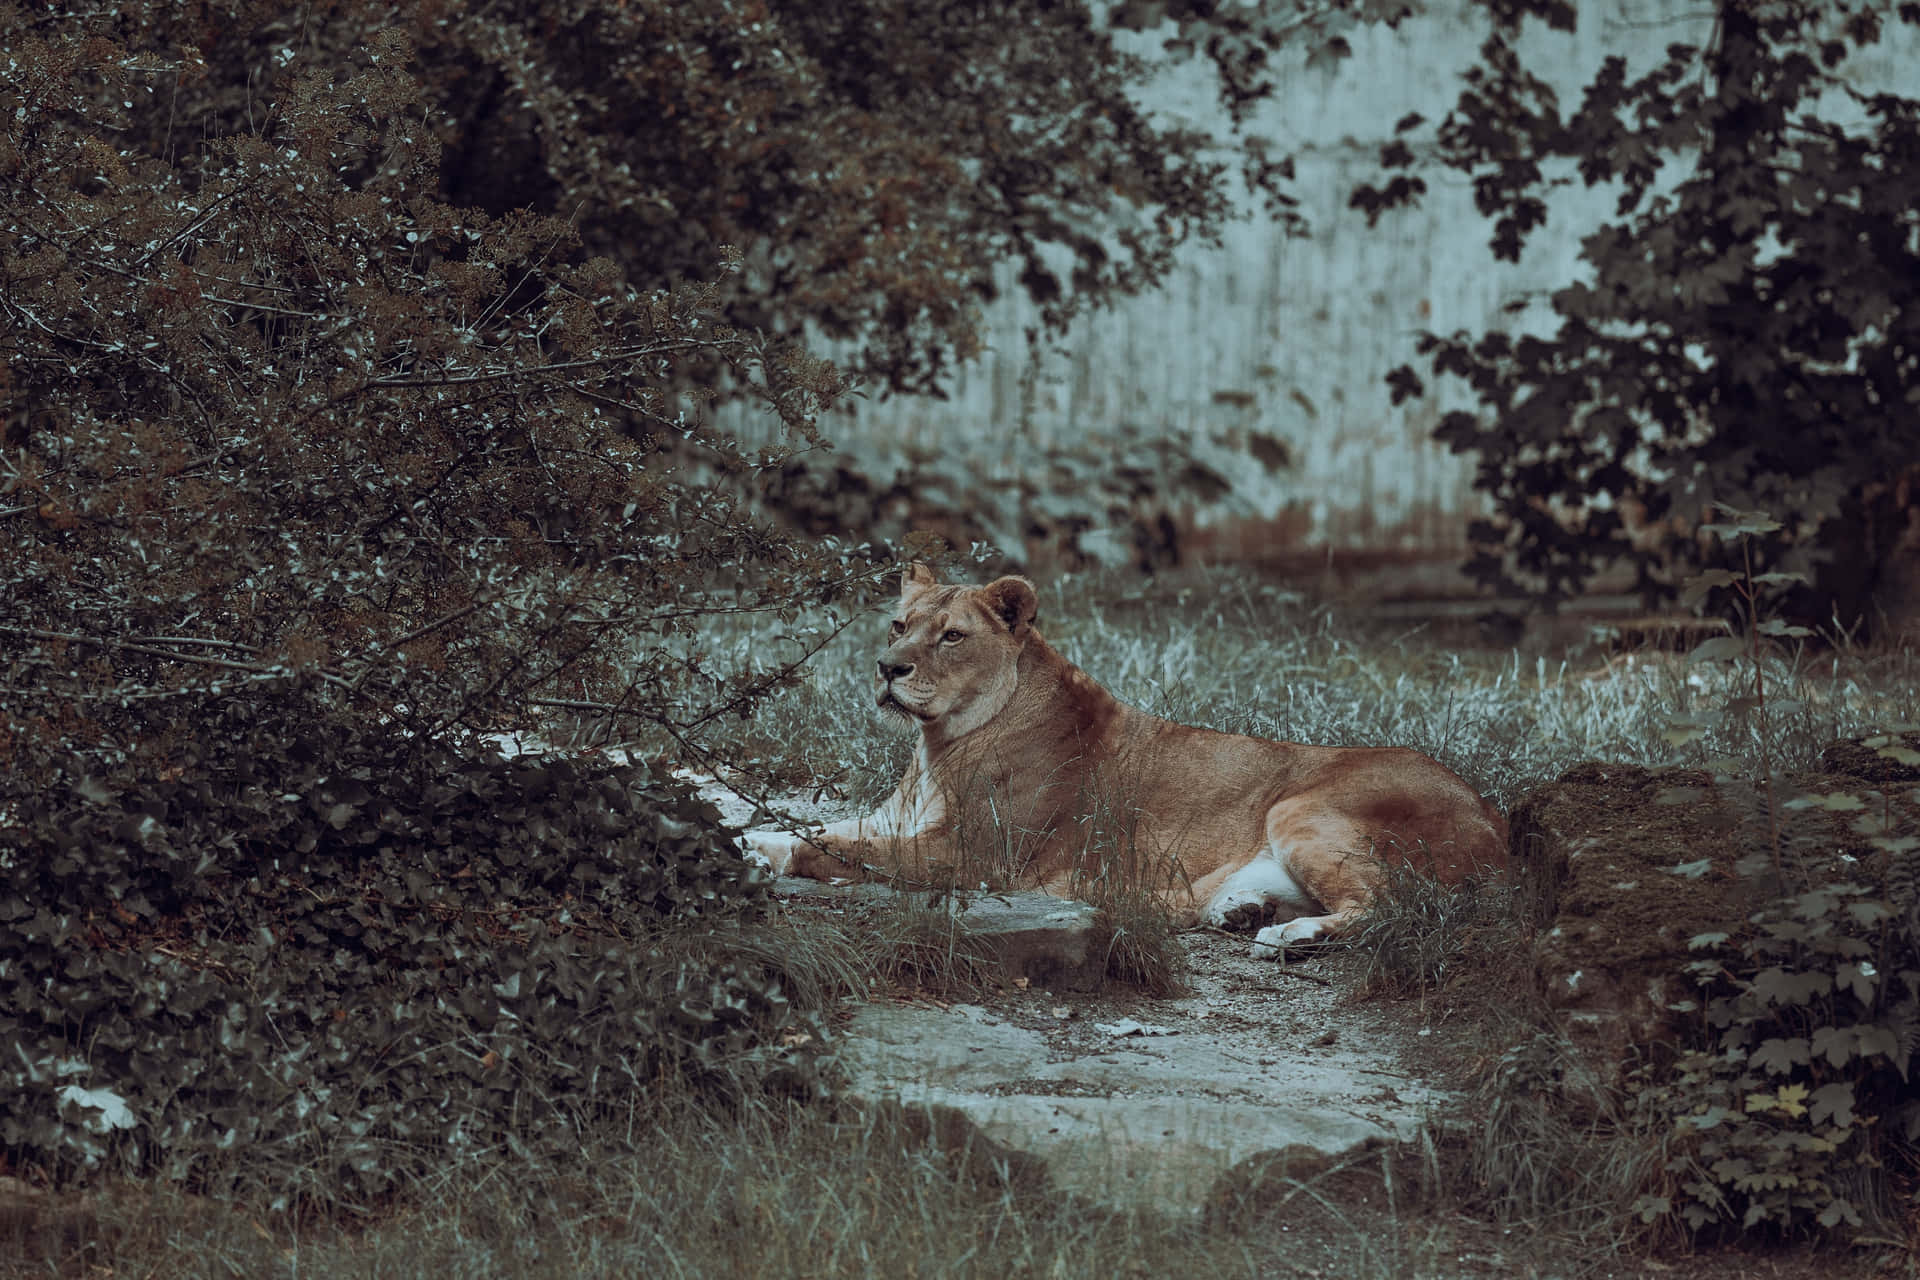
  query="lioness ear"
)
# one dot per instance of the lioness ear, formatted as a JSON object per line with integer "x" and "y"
{"x": 1013, "y": 602}
{"x": 916, "y": 578}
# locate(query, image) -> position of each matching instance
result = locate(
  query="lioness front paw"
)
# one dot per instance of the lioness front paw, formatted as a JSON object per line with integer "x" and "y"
{"x": 770, "y": 849}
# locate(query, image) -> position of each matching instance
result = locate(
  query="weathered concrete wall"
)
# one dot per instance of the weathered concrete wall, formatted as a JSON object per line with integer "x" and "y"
{"x": 1292, "y": 337}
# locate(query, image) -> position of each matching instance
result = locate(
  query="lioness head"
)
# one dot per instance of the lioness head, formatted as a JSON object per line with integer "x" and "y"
{"x": 952, "y": 658}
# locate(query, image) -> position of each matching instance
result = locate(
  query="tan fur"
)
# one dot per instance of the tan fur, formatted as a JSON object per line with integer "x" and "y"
{"x": 1016, "y": 739}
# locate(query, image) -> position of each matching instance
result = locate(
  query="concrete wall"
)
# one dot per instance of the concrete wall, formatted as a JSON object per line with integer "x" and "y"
{"x": 1292, "y": 337}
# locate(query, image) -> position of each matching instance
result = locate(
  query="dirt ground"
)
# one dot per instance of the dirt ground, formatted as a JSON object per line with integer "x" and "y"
{"x": 1372, "y": 1211}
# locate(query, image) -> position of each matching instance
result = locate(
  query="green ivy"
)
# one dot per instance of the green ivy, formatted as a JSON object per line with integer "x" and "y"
{"x": 1806, "y": 1075}
{"x": 1795, "y": 1085}
{"x": 343, "y": 951}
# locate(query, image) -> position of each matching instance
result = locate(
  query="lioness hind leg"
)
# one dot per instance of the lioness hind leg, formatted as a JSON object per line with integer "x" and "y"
{"x": 1253, "y": 892}
{"x": 1301, "y": 930}
{"x": 1328, "y": 856}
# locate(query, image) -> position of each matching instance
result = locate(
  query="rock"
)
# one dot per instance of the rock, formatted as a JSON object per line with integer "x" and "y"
{"x": 1048, "y": 941}
{"x": 1144, "y": 1122}
{"x": 1031, "y": 936}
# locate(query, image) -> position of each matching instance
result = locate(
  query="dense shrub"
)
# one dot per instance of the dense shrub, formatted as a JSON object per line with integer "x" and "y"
{"x": 308, "y": 478}
{"x": 272, "y": 407}
{"x": 1792, "y": 1100}
{"x": 342, "y": 953}
{"x": 872, "y": 159}
{"x": 1742, "y": 330}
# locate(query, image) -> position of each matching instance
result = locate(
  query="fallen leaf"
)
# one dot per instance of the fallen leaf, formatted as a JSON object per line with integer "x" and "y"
{"x": 1129, "y": 1027}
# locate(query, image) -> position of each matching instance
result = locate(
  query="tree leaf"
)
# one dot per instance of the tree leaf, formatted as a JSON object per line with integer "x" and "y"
{"x": 1716, "y": 649}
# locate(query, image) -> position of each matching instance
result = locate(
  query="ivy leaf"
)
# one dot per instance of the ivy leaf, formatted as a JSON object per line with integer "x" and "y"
{"x": 1780, "y": 1056}
{"x": 1832, "y": 1104}
{"x": 1689, "y": 727}
{"x": 1857, "y": 977}
{"x": 1868, "y": 914}
{"x": 1835, "y": 1044}
{"x": 1740, "y": 524}
{"x": 1651, "y": 1209}
{"x": 1830, "y": 801}
{"x": 1876, "y": 1040}
{"x": 1776, "y": 985}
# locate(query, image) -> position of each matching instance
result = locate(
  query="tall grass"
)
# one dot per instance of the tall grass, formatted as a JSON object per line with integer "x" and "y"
{"x": 769, "y": 1191}
{"x": 1216, "y": 650}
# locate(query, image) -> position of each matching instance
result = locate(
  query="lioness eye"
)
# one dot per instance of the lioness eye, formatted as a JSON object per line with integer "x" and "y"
{"x": 896, "y": 628}
{"x": 954, "y": 637}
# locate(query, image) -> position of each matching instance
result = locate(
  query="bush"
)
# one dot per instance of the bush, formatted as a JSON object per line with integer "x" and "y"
{"x": 1792, "y": 1102}
{"x": 310, "y": 478}
{"x": 345, "y": 952}
{"x": 1422, "y": 937}
{"x": 272, "y": 408}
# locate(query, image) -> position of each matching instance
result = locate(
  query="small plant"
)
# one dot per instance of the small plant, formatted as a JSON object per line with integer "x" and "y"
{"x": 915, "y": 942}
{"x": 1753, "y": 631}
{"x": 1793, "y": 1099}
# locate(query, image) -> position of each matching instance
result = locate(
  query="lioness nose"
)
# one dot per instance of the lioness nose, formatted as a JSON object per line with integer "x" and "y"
{"x": 894, "y": 670}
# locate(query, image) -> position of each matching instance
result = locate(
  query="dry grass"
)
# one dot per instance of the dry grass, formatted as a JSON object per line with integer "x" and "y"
{"x": 769, "y": 1192}
{"x": 1217, "y": 651}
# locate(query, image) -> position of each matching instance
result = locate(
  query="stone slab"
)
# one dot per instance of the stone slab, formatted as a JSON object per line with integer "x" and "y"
{"x": 1147, "y": 1122}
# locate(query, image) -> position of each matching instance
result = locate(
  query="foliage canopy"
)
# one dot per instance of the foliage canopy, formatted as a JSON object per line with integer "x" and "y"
{"x": 1747, "y": 330}
{"x": 311, "y": 477}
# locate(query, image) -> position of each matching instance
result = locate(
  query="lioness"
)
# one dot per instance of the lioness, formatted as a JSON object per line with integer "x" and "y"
{"x": 1013, "y": 734}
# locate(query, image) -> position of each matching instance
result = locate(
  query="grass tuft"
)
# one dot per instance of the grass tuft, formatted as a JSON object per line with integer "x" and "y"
{"x": 1420, "y": 937}
{"x": 918, "y": 942}
{"x": 1554, "y": 1148}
